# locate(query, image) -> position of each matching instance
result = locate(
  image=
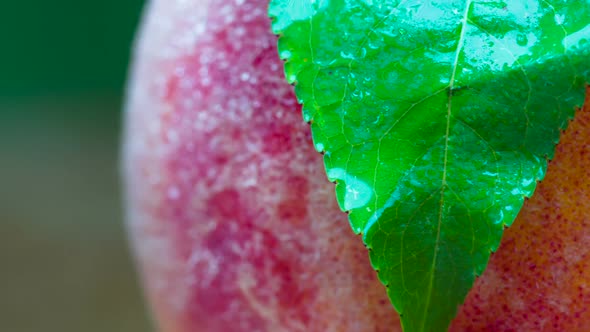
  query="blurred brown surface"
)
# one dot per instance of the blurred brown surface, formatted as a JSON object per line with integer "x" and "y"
{"x": 65, "y": 263}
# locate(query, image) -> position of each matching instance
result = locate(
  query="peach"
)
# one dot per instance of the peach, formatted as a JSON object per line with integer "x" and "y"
{"x": 236, "y": 228}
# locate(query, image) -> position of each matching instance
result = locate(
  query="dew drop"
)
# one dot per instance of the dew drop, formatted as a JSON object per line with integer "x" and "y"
{"x": 286, "y": 54}
{"x": 319, "y": 147}
{"x": 173, "y": 193}
{"x": 347, "y": 55}
{"x": 363, "y": 53}
{"x": 356, "y": 95}
{"x": 244, "y": 76}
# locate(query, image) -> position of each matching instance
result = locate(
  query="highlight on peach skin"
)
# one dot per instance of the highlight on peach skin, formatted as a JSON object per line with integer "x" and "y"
{"x": 236, "y": 228}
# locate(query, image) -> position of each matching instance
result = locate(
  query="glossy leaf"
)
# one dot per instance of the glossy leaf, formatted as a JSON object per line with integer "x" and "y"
{"x": 436, "y": 119}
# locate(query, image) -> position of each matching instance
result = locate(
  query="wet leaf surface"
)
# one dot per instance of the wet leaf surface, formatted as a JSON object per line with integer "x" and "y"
{"x": 436, "y": 120}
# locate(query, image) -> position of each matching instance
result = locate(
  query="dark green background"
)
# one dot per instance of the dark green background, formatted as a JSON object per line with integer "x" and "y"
{"x": 66, "y": 46}
{"x": 65, "y": 263}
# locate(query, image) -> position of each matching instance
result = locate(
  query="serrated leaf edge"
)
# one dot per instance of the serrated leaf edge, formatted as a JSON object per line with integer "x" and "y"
{"x": 337, "y": 182}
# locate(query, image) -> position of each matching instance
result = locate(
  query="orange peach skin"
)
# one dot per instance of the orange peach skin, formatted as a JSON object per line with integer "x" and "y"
{"x": 235, "y": 226}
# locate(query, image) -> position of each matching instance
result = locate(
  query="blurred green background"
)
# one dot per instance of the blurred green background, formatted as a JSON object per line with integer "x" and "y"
{"x": 65, "y": 260}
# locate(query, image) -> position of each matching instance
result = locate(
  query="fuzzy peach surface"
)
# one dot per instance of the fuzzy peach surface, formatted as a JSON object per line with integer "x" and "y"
{"x": 236, "y": 228}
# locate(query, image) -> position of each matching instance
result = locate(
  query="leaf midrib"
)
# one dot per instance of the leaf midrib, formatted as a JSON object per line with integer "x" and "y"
{"x": 445, "y": 160}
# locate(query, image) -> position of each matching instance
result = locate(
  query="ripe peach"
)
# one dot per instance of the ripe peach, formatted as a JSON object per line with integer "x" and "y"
{"x": 236, "y": 228}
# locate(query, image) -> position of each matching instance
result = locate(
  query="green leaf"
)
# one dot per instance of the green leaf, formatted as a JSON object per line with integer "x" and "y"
{"x": 436, "y": 119}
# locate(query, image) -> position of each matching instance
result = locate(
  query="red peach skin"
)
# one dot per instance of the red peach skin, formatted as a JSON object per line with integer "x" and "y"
{"x": 236, "y": 227}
